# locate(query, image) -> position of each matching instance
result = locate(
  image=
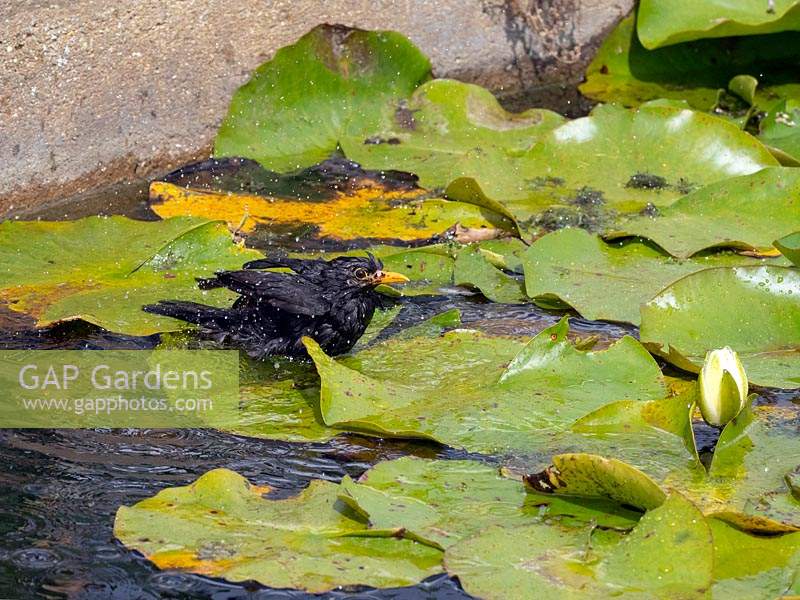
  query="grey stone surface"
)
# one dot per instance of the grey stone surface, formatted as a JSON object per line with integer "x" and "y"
{"x": 95, "y": 92}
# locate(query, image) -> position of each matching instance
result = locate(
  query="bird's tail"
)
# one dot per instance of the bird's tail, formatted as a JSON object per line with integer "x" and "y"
{"x": 192, "y": 312}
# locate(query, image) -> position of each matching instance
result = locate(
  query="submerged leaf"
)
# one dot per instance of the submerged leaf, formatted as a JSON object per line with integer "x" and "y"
{"x": 359, "y": 208}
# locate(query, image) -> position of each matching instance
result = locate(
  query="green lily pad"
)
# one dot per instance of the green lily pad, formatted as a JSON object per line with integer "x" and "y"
{"x": 665, "y": 22}
{"x": 742, "y": 212}
{"x": 334, "y": 81}
{"x": 779, "y": 129}
{"x": 509, "y": 251}
{"x": 512, "y": 397}
{"x": 655, "y": 437}
{"x": 616, "y": 161}
{"x": 749, "y": 566}
{"x": 453, "y": 130}
{"x": 473, "y": 269}
{"x": 789, "y": 246}
{"x": 747, "y": 483}
{"x": 625, "y": 72}
{"x": 104, "y": 269}
{"x": 222, "y": 526}
{"x": 754, "y": 310}
{"x": 281, "y": 404}
{"x": 669, "y": 554}
{"x": 530, "y": 167}
{"x": 438, "y": 502}
{"x": 595, "y": 476}
{"x": 607, "y": 281}
{"x": 754, "y": 454}
{"x": 279, "y": 398}
{"x": 442, "y": 502}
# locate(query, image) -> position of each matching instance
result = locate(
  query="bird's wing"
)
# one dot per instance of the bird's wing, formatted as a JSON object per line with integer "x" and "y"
{"x": 281, "y": 290}
{"x": 298, "y": 265}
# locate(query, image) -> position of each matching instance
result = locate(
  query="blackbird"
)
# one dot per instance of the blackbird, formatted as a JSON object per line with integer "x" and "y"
{"x": 329, "y": 301}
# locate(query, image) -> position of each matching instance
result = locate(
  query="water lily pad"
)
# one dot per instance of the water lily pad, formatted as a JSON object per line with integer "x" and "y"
{"x": 780, "y": 127}
{"x": 334, "y": 81}
{"x": 746, "y": 484}
{"x": 665, "y": 22}
{"x": 103, "y": 270}
{"x": 473, "y": 269}
{"x": 608, "y": 281}
{"x": 589, "y": 475}
{"x": 531, "y": 167}
{"x": 616, "y": 161}
{"x": 789, "y": 246}
{"x": 655, "y": 437}
{"x": 222, "y": 526}
{"x": 742, "y": 212}
{"x": 625, "y": 72}
{"x": 512, "y": 397}
{"x": 754, "y": 310}
{"x": 442, "y": 502}
{"x": 452, "y": 130}
{"x": 439, "y": 502}
{"x": 510, "y": 251}
{"x": 754, "y": 454}
{"x": 669, "y": 554}
{"x": 750, "y": 566}
{"x": 282, "y": 404}
{"x": 279, "y": 398}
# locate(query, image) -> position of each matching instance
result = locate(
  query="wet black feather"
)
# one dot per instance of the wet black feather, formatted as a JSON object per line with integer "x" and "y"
{"x": 325, "y": 300}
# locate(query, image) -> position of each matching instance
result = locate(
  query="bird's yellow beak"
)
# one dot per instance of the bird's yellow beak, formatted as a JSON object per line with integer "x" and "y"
{"x": 390, "y": 277}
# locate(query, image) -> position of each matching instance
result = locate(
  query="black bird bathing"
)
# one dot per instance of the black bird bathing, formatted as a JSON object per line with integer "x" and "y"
{"x": 329, "y": 301}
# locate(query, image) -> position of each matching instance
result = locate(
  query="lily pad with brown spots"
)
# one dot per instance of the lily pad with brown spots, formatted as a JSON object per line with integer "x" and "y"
{"x": 102, "y": 270}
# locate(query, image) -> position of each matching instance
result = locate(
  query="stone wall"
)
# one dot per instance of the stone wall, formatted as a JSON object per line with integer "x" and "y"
{"x": 94, "y": 92}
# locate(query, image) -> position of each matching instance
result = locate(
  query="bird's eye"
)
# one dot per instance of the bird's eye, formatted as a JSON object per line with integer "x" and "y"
{"x": 361, "y": 274}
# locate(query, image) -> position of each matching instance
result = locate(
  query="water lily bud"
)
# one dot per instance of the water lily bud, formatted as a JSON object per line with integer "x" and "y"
{"x": 723, "y": 387}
